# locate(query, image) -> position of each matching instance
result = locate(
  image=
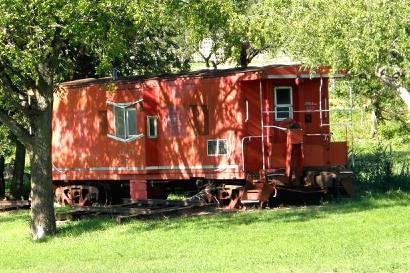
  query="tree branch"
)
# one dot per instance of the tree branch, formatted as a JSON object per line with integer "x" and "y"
{"x": 56, "y": 46}
{"x": 8, "y": 85}
{"x": 46, "y": 70}
{"x": 19, "y": 131}
{"x": 253, "y": 52}
{"x": 24, "y": 107}
{"x": 395, "y": 84}
{"x": 206, "y": 58}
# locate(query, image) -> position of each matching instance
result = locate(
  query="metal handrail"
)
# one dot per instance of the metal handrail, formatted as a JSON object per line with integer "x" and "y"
{"x": 243, "y": 151}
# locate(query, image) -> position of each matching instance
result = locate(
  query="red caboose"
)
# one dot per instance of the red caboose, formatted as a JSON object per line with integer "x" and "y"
{"x": 263, "y": 129}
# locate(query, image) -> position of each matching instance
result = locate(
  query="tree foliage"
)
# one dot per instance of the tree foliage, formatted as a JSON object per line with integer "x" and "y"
{"x": 256, "y": 27}
{"x": 368, "y": 39}
{"x": 46, "y": 42}
{"x": 201, "y": 20}
{"x": 239, "y": 30}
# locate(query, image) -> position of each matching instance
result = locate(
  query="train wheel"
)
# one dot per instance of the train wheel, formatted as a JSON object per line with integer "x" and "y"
{"x": 76, "y": 195}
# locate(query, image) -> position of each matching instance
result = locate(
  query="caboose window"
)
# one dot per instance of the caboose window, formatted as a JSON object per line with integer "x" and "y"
{"x": 125, "y": 122}
{"x": 283, "y": 103}
{"x": 217, "y": 147}
{"x": 130, "y": 115}
{"x": 152, "y": 126}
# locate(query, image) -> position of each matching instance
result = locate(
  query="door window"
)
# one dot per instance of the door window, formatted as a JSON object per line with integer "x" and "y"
{"x": 283, "y": 103}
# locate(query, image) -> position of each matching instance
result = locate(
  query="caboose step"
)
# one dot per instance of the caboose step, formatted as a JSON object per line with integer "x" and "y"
{"x": 275, "y": 174}
{"x": 253, "y": 194}
{"x": 249, "y": 201}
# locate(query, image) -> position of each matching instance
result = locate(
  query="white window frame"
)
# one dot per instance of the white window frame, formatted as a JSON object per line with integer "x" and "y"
{"x": 127, "y": 107}
{"x": 276, "y": 105}
{"x": 155, "y": 135}
{"x": 217, "y": 147}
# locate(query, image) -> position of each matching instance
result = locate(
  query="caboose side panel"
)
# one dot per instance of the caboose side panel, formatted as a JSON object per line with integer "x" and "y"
{"x": 85, "y": 144}
{"x": 201, "y": 123}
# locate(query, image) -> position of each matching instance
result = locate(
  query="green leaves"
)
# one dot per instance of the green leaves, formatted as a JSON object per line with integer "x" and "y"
{"x": 359, "y": 37}
{"x": 132, "y": 36}
{"x": 353, "y": 35}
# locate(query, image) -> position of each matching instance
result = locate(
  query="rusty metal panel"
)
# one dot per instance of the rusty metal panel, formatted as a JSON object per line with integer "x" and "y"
{"x": 338, "y": 153}
{"x": 138, "y": 189}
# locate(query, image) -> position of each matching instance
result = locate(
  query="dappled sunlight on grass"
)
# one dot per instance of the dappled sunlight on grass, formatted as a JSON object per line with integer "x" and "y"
{"x": 14, "y": 216}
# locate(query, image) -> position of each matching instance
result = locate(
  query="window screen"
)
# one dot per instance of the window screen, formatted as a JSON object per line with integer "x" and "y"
{"x": 282, "y": 113}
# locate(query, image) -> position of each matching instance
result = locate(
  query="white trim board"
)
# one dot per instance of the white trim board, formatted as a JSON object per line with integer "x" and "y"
{"x": 148, "y": 168}
{"x": 126, "y": 140}
{"x": 304, "y": 76}
{"x": 124, "y": 104}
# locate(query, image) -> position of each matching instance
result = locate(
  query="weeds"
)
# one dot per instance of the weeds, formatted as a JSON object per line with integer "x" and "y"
{"x": 382, "y": 169}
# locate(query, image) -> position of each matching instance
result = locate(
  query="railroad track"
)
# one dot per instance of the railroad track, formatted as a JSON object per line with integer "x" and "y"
{"x": 13, "y": 204}
{"x": 142, "y": 209}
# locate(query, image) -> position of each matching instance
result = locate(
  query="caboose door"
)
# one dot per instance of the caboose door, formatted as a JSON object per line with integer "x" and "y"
{"x": 252, "y": 141}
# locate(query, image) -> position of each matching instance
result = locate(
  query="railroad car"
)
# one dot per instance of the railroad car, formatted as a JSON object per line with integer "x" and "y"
{"x": 252, "y": 133}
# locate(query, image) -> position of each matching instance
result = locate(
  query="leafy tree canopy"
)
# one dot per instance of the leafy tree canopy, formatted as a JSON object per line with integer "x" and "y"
{"x": 46, "y": 42}
{"x": 368, "y": 39}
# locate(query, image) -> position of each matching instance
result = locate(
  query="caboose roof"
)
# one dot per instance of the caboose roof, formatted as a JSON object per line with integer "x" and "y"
{"x": 276, "y": 71}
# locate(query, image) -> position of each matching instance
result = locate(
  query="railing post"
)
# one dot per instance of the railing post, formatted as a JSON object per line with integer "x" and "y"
{"x": 262, "y": 125}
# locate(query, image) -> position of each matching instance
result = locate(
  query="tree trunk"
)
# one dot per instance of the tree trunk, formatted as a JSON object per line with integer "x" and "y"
{"x": 42, "y": 201}
{"x": 405, "y": 95}
{"x": 391, "y": 82}
{"x": 244, "y": 58}
{"x": 206, "y": 59}
{"x": 214, "y": 65}
{"x": 207, "y": 63}
{"x": 18, "y": 171}
{"x": 2, "y": 182}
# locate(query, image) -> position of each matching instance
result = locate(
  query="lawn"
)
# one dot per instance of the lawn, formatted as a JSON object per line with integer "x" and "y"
{"x": 367, "y": 234}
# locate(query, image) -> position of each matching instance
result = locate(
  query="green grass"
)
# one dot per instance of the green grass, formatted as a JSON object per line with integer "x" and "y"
{"x": 368, "y": 234}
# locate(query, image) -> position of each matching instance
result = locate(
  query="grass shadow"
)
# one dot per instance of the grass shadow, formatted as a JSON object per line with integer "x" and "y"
{"x": 79, "y": 227}
{"x": 285, "y": 215}
{"x": 223, "y": 220}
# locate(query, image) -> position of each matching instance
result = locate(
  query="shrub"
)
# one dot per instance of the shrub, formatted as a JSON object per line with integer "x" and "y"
{"x": 382, "y": 169}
